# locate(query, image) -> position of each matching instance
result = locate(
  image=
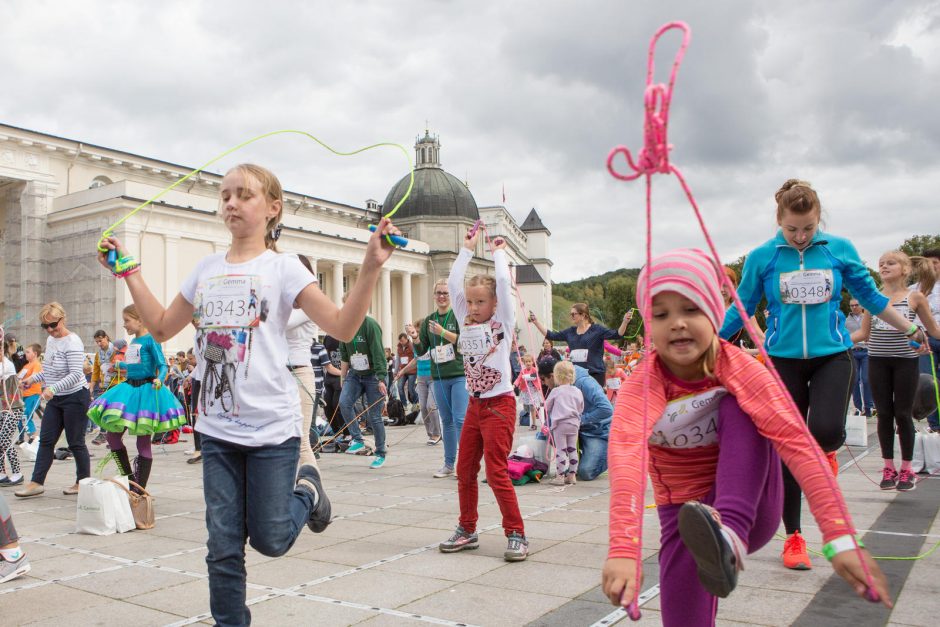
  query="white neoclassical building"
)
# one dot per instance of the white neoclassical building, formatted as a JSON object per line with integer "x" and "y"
{"x": 57, "y": 196}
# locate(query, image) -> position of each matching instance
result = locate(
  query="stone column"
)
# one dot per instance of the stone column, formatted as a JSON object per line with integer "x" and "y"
{"x": 385, "y": 306}
{"x": 406, "y": 312}
{"x": 170, "y": 269}
{"x": 336, "y": 284}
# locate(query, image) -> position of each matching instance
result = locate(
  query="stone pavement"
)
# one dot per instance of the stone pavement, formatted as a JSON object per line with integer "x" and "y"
{"x": 378, "y": 563}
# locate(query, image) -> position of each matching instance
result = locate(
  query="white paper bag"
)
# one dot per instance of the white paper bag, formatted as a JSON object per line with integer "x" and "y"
{"x": 917, "y": 462}
{"x": 102, "y": 508}
{"x": 926, "y": 453}
{"x": 28, "y": 450}
{"x": 856, "y": 430}
{"x": 123, "y": 516}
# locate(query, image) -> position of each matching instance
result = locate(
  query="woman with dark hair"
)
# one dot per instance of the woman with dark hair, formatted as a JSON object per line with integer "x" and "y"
{"x": 585, "y": 339}
{"x": 548, "y": 352}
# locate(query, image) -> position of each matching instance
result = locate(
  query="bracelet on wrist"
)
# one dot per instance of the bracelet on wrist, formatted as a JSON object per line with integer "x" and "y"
{"x": 840, "y": 545}
{"x": 914, "y": 328}
{"x": 125, "y": 266}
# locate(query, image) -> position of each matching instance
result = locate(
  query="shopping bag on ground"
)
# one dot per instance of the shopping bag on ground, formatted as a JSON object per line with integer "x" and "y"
{"x": 102, "y": 508}
{"x": 856, "y": 430}
{"x": 28, "y": 450}
{"x": 926, "y": 453}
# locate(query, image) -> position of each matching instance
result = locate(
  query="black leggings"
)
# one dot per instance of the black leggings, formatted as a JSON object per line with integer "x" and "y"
{"x": 331, "y": 391}
{"x": 893, "y": 386}
{"x": 821, "y": 388}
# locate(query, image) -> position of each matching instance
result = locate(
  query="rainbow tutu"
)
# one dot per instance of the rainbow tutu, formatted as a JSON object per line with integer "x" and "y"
{"x": 141, "y": 410}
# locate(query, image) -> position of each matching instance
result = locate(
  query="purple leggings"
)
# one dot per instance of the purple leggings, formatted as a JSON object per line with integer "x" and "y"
{"x": 748, "y": 492}
{"x": 116, "y": 443}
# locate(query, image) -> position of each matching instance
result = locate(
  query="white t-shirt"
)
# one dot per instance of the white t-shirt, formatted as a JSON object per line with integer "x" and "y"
{"x": 241, "y": 315}
{"x": 485, "y": 347}
{"x": 301, "y": 331}
{"x": 8, "y": 370}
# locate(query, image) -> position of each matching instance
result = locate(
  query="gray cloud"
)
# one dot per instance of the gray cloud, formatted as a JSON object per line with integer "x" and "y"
{"x": 529, "y": 94}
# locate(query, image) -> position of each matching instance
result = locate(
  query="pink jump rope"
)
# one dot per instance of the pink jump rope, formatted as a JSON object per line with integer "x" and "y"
{"x": 654, "y": 158}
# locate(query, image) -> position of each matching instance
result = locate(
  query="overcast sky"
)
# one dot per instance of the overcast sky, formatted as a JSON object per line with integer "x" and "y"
{"x": 530, "y": 94}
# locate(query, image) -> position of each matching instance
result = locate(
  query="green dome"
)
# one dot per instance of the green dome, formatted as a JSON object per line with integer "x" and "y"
{"x": 436, "y": 193}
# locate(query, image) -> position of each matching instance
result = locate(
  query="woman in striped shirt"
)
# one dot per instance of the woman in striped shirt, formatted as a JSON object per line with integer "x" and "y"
{"x": 893, "y": 365}
{"x": 66, "y": 394}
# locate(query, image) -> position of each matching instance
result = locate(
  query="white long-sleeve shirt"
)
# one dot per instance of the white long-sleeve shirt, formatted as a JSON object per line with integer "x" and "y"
{"x": 486, "y": 346}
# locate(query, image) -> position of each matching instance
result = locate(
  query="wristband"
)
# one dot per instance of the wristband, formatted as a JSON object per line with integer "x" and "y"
{"x": 840, "y": 545}
{"x": 51, "y": 388}
{"x": 125, "y": 266}
{"x": 914, "y": 328}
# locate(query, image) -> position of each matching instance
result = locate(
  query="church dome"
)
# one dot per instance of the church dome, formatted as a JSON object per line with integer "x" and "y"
{"x": 435, "y": 193}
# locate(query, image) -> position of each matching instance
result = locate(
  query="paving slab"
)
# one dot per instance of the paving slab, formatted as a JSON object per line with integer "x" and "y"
{"x": 378, "y": 563}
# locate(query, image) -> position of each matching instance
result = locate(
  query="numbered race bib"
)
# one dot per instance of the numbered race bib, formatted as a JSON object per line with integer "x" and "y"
{"x": 132, "y": 356}
{"x": 806, "y": 287}
{"x": 358, "y": 361}
{"x": 579, "y": 355}
{"x": 690, "y": 421}
{"x": 613, "y": 383}
{"x": 881, "y": 325}
{"x": 425, "y": 357}
{"x": 403, "y": 361}
{"x": 230, "y": 301}
{"x": 476, "y": 340}
{"x": 443, "y": 353}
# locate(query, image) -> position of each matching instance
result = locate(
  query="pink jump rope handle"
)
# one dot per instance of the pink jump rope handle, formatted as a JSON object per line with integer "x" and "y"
{"x": 633, "y": 611}
{"x": 473, "y": 229}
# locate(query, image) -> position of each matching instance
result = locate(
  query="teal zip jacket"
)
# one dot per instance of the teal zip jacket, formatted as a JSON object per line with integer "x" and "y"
{"x": 797, "y": 331}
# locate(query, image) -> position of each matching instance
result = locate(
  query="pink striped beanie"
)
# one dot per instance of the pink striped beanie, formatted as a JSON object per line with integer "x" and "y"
{"x": 689, "y": 272}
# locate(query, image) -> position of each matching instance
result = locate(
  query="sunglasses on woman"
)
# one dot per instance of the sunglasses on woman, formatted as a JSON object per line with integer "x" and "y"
{"x": 50, "y": 325}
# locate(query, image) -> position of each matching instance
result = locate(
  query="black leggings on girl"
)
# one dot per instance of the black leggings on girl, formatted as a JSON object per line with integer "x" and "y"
{"x": 821, "y": 388}
{"x": 893, "y": 386}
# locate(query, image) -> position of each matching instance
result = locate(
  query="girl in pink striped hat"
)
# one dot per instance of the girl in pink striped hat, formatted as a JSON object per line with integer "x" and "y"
{"x": 717, "y": 420}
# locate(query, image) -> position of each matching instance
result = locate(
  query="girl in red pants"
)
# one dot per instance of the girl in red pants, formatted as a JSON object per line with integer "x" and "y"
{"x": 487, "y": 318}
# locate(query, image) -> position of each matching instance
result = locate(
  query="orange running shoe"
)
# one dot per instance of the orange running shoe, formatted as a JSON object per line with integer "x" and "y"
{"x": 833, "y": 463}
{"x": 794, "y": 553}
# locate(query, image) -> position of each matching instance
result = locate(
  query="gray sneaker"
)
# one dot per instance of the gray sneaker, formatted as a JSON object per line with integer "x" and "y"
{"x": 445, "y": 471}
{"x": 12, "y": 570}
{"x": 460, "y": 541}
{"x": 517, "y": 549}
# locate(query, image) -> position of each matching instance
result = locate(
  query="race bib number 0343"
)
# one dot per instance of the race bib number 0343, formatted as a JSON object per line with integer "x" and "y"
{"x": 230, "y": 301}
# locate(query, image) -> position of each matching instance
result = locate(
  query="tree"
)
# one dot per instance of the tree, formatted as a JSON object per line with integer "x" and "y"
{"x": 917, "y": 244}
{"x": 620, "y": 296}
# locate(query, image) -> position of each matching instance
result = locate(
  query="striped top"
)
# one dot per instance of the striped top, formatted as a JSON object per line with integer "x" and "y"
{"x": 683, "y": 474}
{"x": 62, "y": 365}
{"x": 885, "y": 340}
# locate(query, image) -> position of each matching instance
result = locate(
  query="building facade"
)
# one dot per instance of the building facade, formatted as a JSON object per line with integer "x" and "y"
{"x": 57, "y": 196}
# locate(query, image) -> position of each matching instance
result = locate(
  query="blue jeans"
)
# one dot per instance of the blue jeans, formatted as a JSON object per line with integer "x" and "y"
{"x": 932, "y": 420}
{"x": 452, "y": 399}
{"x": 355, "y": 386}
{"x": 861, "y": 393}
{"x": 249, "y": 493}
{"x": 593, "y": 457}
{"x": 408, "y": 383}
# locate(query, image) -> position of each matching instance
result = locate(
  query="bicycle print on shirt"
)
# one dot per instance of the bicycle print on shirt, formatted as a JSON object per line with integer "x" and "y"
{"x": 228, "y": 309}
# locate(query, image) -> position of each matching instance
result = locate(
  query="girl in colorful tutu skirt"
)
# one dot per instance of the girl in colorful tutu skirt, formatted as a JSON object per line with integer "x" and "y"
{"x": 140, "y": 405}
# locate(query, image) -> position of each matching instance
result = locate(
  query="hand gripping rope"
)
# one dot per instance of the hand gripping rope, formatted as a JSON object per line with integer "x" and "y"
{"x": 654, "y": 158}
{"x": 126, "y": 264}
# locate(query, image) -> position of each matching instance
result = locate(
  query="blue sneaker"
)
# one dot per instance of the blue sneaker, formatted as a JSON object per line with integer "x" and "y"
{"x": 355, "y": 447}
{"x": 378, "y": 462}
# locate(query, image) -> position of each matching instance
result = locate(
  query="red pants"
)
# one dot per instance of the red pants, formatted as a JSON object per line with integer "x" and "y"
{"x": 487, "y": 432}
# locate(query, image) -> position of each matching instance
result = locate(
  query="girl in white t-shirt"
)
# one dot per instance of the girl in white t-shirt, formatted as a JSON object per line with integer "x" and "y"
{"x": 249, "y": 410}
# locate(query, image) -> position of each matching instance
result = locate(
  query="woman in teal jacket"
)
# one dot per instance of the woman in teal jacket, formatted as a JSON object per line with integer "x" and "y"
{"x": 801, "y": 272}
